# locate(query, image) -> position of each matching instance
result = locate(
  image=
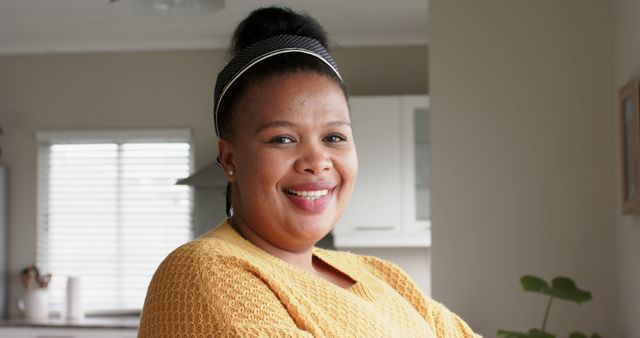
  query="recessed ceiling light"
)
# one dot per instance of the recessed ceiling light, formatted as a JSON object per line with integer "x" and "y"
{"x": 174, "y": 6}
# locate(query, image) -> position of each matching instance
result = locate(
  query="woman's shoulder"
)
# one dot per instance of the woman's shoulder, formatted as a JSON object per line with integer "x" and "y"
{"x": 207, "y": 288}
{"x": 211, "y": 250}
{"x": 211, "y": 243}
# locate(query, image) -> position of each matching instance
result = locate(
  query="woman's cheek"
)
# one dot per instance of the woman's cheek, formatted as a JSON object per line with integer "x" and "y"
{"x": 271, "y": 163}
{"x": 350, "y": 163}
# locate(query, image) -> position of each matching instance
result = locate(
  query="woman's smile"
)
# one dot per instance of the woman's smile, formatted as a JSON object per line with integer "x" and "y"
{"x": 313, "y": 197}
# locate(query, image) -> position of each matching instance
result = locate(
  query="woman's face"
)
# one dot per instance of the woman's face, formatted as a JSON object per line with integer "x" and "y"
{"x": 294, "y": 158}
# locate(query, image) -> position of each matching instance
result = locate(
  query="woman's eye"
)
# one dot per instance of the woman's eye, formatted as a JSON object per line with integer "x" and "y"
{"x": 335, "y": 138}
{"x": 282, "y": 139}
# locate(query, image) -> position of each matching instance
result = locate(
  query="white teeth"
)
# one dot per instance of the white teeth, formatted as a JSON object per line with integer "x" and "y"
{"x": 309, "y": 195}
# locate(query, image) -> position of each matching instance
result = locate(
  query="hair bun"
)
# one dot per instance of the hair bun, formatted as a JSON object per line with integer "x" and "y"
{"x": 266, "y": 22}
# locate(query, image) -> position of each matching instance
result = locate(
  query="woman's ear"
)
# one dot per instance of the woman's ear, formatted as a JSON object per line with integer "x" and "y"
{"x": 226, "y": 159}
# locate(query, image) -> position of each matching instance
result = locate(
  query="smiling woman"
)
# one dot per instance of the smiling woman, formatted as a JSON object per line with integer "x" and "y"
{"x": 295, "y": 166}
{"x": 287, "y": 150}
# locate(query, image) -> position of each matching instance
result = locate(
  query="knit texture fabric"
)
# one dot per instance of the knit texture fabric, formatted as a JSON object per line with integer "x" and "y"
{"x": 221, "y": 285}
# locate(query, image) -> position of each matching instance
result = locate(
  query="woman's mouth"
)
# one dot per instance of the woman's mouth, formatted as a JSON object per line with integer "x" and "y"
{"x": 311, "y": 197}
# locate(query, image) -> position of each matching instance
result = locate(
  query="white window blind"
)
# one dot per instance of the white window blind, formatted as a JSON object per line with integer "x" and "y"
{"x": 109, "y": 211}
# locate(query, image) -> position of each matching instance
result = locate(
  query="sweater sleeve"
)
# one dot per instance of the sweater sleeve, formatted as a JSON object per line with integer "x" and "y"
{"x": 195, "y": 295}
{"x": 444, "y": 323}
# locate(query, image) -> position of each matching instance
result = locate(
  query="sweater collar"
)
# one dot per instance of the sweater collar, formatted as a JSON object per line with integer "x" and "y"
{"x": 365, "y": 286}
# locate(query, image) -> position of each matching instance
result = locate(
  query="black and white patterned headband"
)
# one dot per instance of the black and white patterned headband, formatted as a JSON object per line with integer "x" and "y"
{"x": 262, "y": 50}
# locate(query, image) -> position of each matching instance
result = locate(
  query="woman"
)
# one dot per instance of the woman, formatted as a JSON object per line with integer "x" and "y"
{"x": 286, "y": 148}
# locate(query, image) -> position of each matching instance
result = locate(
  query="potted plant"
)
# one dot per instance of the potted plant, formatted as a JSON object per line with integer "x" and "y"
{"x": 561, "y": 288}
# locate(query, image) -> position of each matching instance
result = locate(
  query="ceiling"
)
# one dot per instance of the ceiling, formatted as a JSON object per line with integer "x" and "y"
{"x": 44, "y": 26}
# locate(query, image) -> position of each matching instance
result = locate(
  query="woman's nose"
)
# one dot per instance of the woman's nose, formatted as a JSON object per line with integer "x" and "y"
{"x": 313, "y": 159}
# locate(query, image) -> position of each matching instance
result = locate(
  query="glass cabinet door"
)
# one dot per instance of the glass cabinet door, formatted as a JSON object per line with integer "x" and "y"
{"x": 421, "y": 141}
{"x": 416, "y": 196}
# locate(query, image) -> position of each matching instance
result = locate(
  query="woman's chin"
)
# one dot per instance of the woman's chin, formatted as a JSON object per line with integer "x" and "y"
{"x": 313, "y": 231}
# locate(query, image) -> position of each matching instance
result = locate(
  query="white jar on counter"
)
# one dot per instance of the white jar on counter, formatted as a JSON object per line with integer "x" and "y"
{"x": 74, "y": 308}
{"x": 35, "y": 304}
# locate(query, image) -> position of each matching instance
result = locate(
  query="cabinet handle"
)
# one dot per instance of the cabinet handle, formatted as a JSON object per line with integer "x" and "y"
{"x": 48, "y": 336}
{"x": 373, "y": 228}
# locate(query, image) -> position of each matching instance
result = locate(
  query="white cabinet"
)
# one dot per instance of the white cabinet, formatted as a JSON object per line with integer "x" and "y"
{"x": 23, "y": 332}
{"x": 389, "y": 206}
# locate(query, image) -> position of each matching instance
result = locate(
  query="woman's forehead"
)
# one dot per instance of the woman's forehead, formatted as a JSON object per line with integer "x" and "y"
{"x": 296, "y": 98}
{"x": 299, "y": 119}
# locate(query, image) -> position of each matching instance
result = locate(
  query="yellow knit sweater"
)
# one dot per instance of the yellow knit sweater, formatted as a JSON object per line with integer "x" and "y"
{"x": 221, "y": 285}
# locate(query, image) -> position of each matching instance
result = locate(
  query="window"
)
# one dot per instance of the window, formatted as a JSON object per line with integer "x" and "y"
{"x": 109, "y": 211}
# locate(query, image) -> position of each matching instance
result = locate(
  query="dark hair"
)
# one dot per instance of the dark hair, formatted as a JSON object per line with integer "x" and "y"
{"x": 261, "y": 24}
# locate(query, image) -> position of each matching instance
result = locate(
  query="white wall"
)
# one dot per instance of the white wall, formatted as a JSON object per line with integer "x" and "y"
{"x": 3, "y": 242}
{"x": 522, "y": 140}
{"x": 142, "y": 90}
{"x": 626, "y": 64}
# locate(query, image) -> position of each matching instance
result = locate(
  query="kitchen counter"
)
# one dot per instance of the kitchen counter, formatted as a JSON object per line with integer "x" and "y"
{"x": 130, "y": 322}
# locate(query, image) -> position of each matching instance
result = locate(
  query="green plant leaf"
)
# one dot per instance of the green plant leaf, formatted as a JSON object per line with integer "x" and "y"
{"x": 582, "y": 335}
{"x": 512, "y": 334}
{"x": 533, "y": 333}
{"x": 565, "y": 288}
{"x": 535, "y": 284}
